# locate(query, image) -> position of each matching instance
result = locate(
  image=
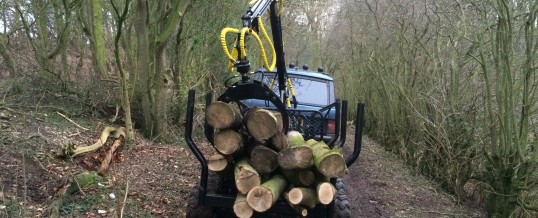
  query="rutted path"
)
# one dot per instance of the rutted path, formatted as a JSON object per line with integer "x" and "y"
{"x": 379, "y": 184}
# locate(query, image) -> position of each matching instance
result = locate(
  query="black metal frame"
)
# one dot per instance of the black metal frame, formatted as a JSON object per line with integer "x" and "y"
{"x": 216, "y": 200}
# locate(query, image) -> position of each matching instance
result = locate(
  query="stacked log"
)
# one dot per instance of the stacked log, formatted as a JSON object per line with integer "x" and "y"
{"x": 269, "y": 165}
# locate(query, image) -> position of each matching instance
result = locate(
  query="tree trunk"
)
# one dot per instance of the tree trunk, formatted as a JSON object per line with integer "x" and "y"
{"x": 143, "y": 67}
{"x": 298, "y": 208}
{"x": 246, "y": 177}
{"x": 241, "y": 207}
{"x": 98, "y": 38}
{"x": 228, "y": 141}
{"x": 221, "y": 115}
{"x": 263, "y": 159}
{"x": 263, "y": 197}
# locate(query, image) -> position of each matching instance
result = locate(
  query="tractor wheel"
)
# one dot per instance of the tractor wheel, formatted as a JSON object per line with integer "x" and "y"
{"x": 341, "y": 202}
{"x": 201, "y": 211}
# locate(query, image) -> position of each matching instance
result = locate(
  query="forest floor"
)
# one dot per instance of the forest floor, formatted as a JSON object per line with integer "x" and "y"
{"x": 154, "y": 180}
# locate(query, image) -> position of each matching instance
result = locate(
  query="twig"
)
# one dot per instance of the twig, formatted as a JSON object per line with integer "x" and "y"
{"x": 124, "y": 198}
{"x": 73, "y": 122}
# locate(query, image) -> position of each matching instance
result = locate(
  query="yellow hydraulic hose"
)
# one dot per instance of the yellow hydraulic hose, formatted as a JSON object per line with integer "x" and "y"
{"x": 223, "y": 42}
{"x": 273, "y": 52}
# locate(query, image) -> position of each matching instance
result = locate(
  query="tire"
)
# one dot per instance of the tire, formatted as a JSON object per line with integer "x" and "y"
{"x": 342, "y": 207}
{"x": 201, "y": 211}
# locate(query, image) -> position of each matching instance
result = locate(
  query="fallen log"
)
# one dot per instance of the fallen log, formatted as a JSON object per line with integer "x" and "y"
{"x": 303, "y": 196}
{"x": 263, "y": 159}
{"x": 246, "y": 177}
{"x": 241, "y": 207}
{"x": 328, "y": 162}
{"x": 262, "y": 124}
{"x": 228, "y": 141}
{"x": 264, "y": 196}
{"x": 78, "y": 151}
{"x": 222, "y": 115}
{"x": 119, "y": 136}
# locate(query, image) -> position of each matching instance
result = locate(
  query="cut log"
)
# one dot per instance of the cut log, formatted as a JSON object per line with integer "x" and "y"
{"x": 217, "y": 163}
{"x": 119, "y": 136}
{"x": 279, "y": 141}
{"x": 303, "y": 177}
{"x": 246, "y": 177}
{"x": 328, "y": 162}
{"x": 222, "y": 115}
{"x": 295, "y": 139}
{"x": 241, "y": 207}
{"x": 263, "y": 197}
{"x": 326, "y": 192}
{"x": 300, "y": 157}
{"x": 264, "y": 159}
{"x": 228, "y": 141}
{"x": 303, "y": 196}
{"x": 261, "y": 124}
{"x": 298, "y": 208}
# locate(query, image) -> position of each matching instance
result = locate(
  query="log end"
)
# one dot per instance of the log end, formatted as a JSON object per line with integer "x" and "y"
{"x": 221, "y": 115}
{"x": 217, "y": 163}
{"x": 260, "y": 199}
{"x": 332, "y": 166}
{"x": 326, "y": 193}
{"x": 262, "y": 124}
{"x": 243, "y": 210}
{"x": 295, "y": 196}
{"x": 246, "y": 181}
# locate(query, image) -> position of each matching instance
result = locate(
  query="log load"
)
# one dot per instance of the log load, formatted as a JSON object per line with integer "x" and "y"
{"x": 269, "y": 165}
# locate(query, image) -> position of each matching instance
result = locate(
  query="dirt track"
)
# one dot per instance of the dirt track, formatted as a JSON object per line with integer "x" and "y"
{"x": 380, "y": 185}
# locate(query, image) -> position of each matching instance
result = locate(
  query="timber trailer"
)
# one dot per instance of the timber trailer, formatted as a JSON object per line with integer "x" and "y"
{"x": 214, "y": 195}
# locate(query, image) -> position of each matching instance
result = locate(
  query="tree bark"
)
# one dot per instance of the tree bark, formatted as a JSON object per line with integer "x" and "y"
{"x": 120, "y": 135}
{"x": 263, "y": 197}
{"x": 98, "y": 38}
{"x": 328, "y": 162}
{"x": 246, "y": 177}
